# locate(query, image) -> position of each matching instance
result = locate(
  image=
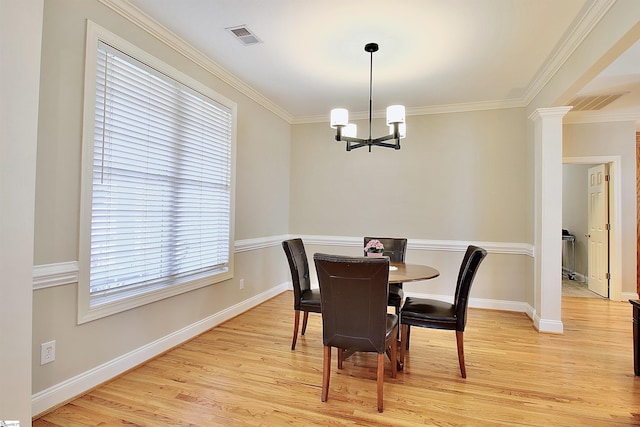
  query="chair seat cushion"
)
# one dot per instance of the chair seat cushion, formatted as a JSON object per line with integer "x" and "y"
{"x": 429, "y": 313}
{"x": 310, "y": 300}
{"x": 392, "y": 322}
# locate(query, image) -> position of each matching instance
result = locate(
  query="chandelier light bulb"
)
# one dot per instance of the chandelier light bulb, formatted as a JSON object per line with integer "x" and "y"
{"x": 350, "y": 130}
{"x": 395, "y": 114}
{"x": 339, "y": 117}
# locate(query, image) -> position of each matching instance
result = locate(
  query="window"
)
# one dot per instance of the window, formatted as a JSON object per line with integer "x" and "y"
{"x": 157, "y": 218}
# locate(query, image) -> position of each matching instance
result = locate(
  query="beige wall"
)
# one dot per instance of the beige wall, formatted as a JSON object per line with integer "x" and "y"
{"x": 612, "y": 139}
{"x": 262, "y": 200}
{"x": 460, "y": 176}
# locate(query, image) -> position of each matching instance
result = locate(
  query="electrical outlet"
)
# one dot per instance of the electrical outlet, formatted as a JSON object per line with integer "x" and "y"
{"x": 241, "y": 283}
{"x": 47, "y": 352}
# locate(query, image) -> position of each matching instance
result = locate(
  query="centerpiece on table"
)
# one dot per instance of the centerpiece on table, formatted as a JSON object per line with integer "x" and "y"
{"x": 374, "y": 248}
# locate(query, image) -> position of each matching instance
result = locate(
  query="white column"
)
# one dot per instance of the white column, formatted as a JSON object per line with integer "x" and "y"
{"x": 548, "y": 218}
{"x": 20, "y": 43}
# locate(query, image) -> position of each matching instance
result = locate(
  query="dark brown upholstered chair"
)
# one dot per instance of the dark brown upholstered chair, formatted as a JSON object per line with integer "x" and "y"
{"x": 305, "y": 299}
{"x": 354, "y": 312}
{"x": 395, "y": 249}
{"x": 429, "y": 313}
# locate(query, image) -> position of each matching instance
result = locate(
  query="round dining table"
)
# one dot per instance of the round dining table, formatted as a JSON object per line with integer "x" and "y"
{"x": 400, "y": 272}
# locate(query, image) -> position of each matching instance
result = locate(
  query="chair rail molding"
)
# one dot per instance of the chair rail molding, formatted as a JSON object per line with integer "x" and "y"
{"x": 50, "y": 275}
{"x": 428, "y": 245}
{"x": 66, "y": 273}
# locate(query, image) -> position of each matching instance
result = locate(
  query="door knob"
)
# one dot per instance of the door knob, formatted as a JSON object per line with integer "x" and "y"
{"x": 587, "y": 235}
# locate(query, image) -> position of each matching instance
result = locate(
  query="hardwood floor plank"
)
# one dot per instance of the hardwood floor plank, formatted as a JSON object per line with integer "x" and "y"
{"x": 243, "y": 373}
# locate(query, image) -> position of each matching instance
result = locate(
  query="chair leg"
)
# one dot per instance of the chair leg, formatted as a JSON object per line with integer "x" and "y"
{"x": 340, "y": 357}
{"x": 459, "y": 340}
{"x": 403, "y": 347}
{"x": 304, "y": 322}
{"x": 380, "y": 379}
{"x": 408, "y": 335}
{"x": 394, "y": 354}
{"x": 326, "y": 371}
{"x": 296, "y": 323}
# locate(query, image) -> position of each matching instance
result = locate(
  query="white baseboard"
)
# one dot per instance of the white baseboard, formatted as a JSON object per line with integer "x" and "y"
{"x": 491, "y": 304}
{"x": 629, "y": 295}
{"x": 550, "y": 326}
{"x": 68, "y": 389}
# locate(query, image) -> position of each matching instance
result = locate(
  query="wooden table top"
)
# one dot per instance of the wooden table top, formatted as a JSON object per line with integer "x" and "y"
{"x": 410, "y": 272}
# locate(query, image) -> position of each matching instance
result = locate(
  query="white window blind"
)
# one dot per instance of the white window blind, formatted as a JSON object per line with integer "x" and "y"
{"x": 161, "y": 187}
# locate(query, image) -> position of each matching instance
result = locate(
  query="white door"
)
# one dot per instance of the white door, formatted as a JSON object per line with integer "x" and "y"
{"x": 598, "y": 222}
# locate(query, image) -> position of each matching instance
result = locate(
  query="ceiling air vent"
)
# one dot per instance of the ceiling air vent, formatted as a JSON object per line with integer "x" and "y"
{"x": 244, "y": 35}
{"x": 594, "y": 102}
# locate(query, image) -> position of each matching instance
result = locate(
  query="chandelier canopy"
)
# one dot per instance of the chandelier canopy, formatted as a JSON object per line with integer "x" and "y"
{"x": 347, "y": 132}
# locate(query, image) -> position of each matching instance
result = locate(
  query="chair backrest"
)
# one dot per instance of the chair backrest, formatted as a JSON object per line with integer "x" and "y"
{"x": 468, "y": 268}
{"x": 394, "y": 248}
{"x": 354, "y": 293}
{"x": 299, "y": 266}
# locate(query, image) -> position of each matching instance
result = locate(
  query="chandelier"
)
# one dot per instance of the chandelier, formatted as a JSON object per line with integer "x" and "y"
{"x": 347, "y": 132}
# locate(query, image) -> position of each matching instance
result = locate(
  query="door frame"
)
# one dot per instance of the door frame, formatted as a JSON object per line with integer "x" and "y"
{"x": 615, "y": 218}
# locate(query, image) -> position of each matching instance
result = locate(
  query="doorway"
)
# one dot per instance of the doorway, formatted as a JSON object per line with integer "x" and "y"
{"x": 615, "y": 262}
{"x": 579, "y": 275}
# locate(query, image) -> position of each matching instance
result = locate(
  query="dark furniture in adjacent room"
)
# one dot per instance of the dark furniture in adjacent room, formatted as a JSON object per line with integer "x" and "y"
{"x": 636, "y": 336}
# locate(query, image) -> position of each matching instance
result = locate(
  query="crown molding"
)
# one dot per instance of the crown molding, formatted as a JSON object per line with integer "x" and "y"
{"x": 422, "y": 111}
{"x": 169, "y": 38}
{"x": 467, "y": 106}
{"x": 584, "y": 25}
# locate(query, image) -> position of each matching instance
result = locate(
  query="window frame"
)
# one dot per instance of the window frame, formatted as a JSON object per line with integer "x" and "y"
{"x": 86, "y": 311}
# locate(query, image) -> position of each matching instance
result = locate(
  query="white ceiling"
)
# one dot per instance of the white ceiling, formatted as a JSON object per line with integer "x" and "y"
{"x": 622, "y": 76}
{"x": 435, "y": 55}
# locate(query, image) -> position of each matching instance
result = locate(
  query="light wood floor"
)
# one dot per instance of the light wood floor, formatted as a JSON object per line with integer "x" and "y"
{"x": 243, "y": 373}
